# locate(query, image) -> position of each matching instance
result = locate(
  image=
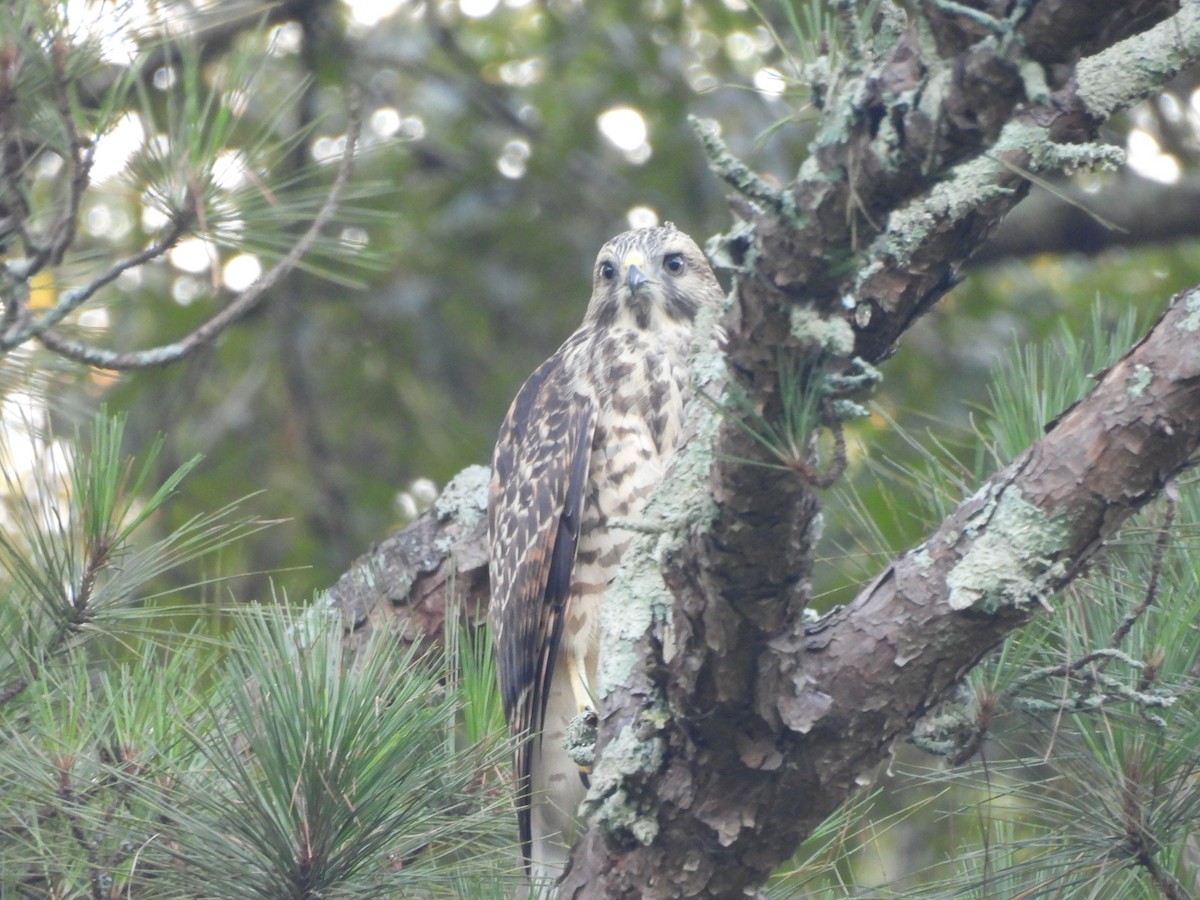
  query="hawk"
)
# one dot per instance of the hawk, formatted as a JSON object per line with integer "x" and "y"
{"x": 584, "y": 443}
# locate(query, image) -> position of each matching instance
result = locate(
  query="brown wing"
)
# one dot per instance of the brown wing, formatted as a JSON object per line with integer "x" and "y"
{"x": 535, "y": 504}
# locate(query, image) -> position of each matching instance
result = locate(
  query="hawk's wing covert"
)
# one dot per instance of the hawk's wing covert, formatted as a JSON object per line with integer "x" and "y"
{"x": 535, "y": 504}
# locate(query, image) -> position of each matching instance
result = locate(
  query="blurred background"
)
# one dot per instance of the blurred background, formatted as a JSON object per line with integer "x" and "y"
{"x": 503, "y": 142}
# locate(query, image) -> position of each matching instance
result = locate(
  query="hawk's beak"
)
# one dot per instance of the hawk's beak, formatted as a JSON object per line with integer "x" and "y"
{"x": 635, "y": 275}
{"x": 635, "y": 279}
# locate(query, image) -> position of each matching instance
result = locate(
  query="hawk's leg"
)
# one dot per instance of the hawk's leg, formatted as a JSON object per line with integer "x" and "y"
{"x": 580, "y": 740}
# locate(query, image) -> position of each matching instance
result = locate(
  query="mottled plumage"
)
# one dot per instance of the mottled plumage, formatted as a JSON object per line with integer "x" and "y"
{"x": 585, "y": 441}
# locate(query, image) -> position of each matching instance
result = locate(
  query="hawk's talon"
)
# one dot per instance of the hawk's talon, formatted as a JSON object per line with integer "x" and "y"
{"x": 580, "y": 741}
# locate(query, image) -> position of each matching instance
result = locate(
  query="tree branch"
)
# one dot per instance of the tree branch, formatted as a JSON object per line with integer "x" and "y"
{"x": 242, "y": 304}
{"x": 412, "y": 581}
{"x": 1128, "y": 212}
{"x": 935, "y": 611}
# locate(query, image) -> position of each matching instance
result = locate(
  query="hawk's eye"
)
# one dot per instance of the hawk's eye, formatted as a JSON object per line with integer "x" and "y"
{"x": 607, "y": 270}
{"x": 673, "y": 262}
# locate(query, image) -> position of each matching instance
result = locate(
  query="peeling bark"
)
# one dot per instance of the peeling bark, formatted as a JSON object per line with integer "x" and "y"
{"x": 417, "y": 576}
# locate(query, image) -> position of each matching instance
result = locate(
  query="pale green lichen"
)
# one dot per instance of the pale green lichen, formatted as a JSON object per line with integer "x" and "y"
{"x": 1011, "y": 561}
{"x": 635, "y": 601}
{"x": 1094, "y": 157}
{"x": 463, "y": 499}
{"x": 1136, "y": 384}
{"x": 1033, "y": 79}
{"x": 580, "y": 739}
{"x": 465, "y": 496}
{"x": 816, "y": 528}
{"x": 719, "y": 249}
{"x": 1191, "y": 321}
{"x": 1136, "y": 67}
{"x": 860, "y": 375}
{"x": 909, "y": 227}
{"x": 890, "y": 25}
{"x": 921, "y": 559}
{"x": 740, "y": 176}
{"x": 975, "y": 182}
{"x": 609, "y": 805}
{"x": 833, "y": 334}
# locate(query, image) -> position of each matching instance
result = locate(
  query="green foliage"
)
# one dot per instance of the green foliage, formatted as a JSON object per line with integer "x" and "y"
{"x": 786, "y": 439}
{"x": 914, "y": 479}
{"x": 471, "y": 662}
{"x": 1087, "y": 728}
{"x": 1037, "y": 382}
{"x": 253, "y": 754}
{"x": 326, "y": 776}
{"x": 823, "y": 28}
{"x": 72, "y": 567}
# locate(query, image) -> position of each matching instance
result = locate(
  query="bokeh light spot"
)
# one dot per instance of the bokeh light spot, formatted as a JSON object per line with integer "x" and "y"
{"x": 624, "y": 127}
{"x": 241, "y": 271}
{"x": 642, "y": 217}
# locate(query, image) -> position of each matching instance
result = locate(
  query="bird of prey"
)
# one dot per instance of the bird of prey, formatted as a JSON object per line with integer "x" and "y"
{"x": 584, "y": 443}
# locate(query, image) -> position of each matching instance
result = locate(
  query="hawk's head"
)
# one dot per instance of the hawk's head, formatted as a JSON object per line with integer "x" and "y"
{"x": 650, "y": 277}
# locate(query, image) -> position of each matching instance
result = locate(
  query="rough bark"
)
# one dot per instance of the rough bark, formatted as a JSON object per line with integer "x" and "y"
{"x": 417, "y": 577}
{"x": 716, "y": 759}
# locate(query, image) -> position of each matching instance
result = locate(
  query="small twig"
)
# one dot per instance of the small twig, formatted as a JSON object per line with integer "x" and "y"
{"x": 14, "y": 688}
{"x": 1161, "y": 543}
{"x": 736, "y": 173}
{"x": 122, "y": 790}
{"x": 1064, "y": 669}
{"x": 72, "y": 300}
{"x": 168, "y": 353}
{"x": 1162, "y": 879}
{"x": 1144, "y": 699}
{"x": 994, "y": 25}
{"x": 62, "y": 233}
{"x": 77, "y": 611}
{"x": 88, "y": 845}
{"x": 15, "y": 292}
{"x": 1057, "y": 192}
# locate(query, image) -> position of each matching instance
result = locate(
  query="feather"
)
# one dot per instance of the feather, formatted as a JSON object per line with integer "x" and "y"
{"x": 539, "y": 475}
